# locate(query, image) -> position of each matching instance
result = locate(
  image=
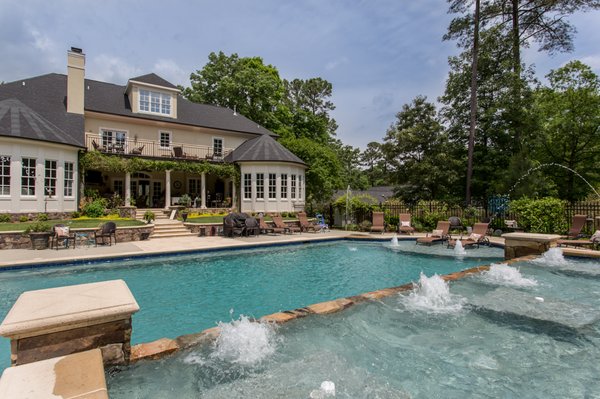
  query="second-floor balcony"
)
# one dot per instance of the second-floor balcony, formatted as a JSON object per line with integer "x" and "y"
{"x": 153, "y": 149}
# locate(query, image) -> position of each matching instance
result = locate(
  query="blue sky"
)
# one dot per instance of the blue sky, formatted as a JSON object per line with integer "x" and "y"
{"x": 378, "y": 54}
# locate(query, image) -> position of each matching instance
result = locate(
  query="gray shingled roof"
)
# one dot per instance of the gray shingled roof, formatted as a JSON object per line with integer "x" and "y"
{"x": 109, "y": 98}
{"x": 154, "y": 79}
{"x": 36, "y": 109}
{"x": 264, "y": 149}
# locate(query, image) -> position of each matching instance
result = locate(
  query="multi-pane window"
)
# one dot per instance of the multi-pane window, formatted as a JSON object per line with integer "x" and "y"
{"x": 194, "y": 187}
{"x": 153, "y": 101}
{"x": 272, "y": 185}
{"x": 299, "y": 186}
{"x": 28, "y": 176}
{"x": 247, "y": 185}
{"x": 260, "y": 185}
{"x": 165, "y": 139}
{"x": 118, "y": 188}
{"x": 217, "y": 147}
{"x": 293, "y": 186}
{"x": 4, "y": 175}
{"x": 50, "y": 178}
{"x": 284, "y": 185}
{"x": 69, "y": 178}
{"x": 112, "y": 139}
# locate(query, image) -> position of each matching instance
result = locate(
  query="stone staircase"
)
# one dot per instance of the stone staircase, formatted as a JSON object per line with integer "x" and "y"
{"x": 163, "y": 226}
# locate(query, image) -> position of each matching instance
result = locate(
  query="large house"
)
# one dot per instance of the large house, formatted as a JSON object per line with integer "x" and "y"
{"x": 50, "y": 124}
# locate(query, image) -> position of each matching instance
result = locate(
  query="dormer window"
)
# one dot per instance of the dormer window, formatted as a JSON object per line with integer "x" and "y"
{"x": 155, "y": 102}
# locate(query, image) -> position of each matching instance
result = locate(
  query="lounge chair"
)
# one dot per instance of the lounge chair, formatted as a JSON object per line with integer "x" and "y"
{"x": 278, "y": 220}
{"x": 440, "y": 234}
{"x": 266, "y": 229}
{"x": 593, "y": 242}
{"x": 61, "y": 233}
{"x": 577, "y": 225}
{"x": 108, "y": 230}
{"x": 404, "y": 226}
{"x": 476, "y": 238}
{"x": 305, "y": 225}
{"x": 378, "y": 223}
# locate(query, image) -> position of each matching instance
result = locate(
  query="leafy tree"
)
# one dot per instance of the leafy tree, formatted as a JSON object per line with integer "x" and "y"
{"x": 569, "y": 110}
{"x": 373, "y": 160}
{"x": 350, "y": 159}
{"x": 244, "y": 84}
{"x": 418, "y": 152}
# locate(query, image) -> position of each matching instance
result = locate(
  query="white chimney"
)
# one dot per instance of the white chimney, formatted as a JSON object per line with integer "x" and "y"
{"x": 75, "y": 80}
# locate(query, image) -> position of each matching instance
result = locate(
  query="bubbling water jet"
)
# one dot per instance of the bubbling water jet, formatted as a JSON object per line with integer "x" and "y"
{"x": 432, "y": 295}
{"x": 502, "y": 274}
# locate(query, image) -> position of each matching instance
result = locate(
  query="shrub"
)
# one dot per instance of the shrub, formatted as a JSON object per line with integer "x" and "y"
{"x": 292, "y": 214}
{"x": 23, "y": 219}
{"x": 284, "y": 214}
{"x": 38, "y": 227}
{"x": 545, "y": 215}
{"x": 5, "y": 218}
{"x": 185, "y": 200}
{"x": 95, "y": 208}
{"x": 75, "y": 215}
{"x": 42, "y": 217}
{"x": 391, "y": 220}
{"x": 149, "y": 216}
{"x": 365, "y": 225}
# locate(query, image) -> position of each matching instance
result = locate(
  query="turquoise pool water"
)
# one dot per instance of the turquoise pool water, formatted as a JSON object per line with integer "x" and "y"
{"x": 485, "y": 336}
{"x": 186, "y": 294}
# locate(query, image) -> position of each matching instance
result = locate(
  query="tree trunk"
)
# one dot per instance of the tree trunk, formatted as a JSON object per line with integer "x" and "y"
{"x": 473, "y": 124}
{"x": 516, "y": 61}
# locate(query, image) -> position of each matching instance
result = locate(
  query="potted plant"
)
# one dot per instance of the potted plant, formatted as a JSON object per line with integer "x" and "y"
{"x": 39, "y": 233}
{"x": 185, "y": 200}
{"x": 184, "y": 214}
{"x": 149, "y": 216}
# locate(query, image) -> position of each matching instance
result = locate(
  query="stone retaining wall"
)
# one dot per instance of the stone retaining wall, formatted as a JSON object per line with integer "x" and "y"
{"x": 20, "y": 240}
{"x": 15, "y": 217}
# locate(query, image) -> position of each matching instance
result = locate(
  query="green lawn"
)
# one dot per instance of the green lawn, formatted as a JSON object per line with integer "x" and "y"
{"x": 73, "y": 223}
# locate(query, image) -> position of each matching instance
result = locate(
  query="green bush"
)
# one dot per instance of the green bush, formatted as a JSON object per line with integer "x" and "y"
{"x": 38, "y": 227}
{"x": 42, "y": 217}
{"x": 545, "y": 215}
{"x": 149, "y": 216}
{"x": 365, "y": 225}
{"x": 391, "y": 220}
{"x": 5, "y": 218}
{"x": 23, "y": 219}
{"x": 75, "y": 215}
{"x": 95, "y": 208}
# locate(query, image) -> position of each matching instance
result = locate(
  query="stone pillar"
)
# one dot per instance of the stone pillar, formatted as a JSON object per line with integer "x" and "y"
{"x": 523, "y": 244}
{"x": 233, "y": 194}
{"x": 127, "y": 189}
{"x": 167, "y": 189}
{"x": 82, "y": 317}
{"x": 203, "y": 191}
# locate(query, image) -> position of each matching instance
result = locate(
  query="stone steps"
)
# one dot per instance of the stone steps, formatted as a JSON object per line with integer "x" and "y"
{"x": 170, "y": 228}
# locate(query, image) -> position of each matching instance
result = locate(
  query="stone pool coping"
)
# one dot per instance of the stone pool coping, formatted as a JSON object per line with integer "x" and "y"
{"x": 166, "y": 346}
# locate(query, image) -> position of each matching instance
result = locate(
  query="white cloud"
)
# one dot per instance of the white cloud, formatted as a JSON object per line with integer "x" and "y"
{"x": 593, "y": 61}
{"x": 169, "y": 70}
{"x": 108, "y": 68}
{"x": 335, "y": 63}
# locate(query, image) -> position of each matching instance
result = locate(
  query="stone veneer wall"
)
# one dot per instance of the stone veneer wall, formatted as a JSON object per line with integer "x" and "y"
{"x": 20, "y": 240}
{"x": 14, "y": 217}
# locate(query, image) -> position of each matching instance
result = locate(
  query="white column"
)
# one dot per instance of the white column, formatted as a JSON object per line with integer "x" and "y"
{"x": 127, "y": 188}
{"x": 203, "y": 191}
{"x": 167, "y": 189}
{"x": 233, "y": 195}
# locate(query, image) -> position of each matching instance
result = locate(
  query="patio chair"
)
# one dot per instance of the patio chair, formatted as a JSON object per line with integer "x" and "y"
{"x": 278, "y": 220}
{"x": 137, "y": 150}
{"x": 108, "y": 230}
{"x": 61, "y": 234}
{"x": 234, "y": 224}
{"x": 404, "y": 226}
{"x": 440, "y": 234}
{"x": 305, "y": 225}
{"x": 252, "y": 227}
{"x": 378, "y": 223}
{"x": 266, "y": 229}
{"x": 95, "y": 145}
{"x": 456, "y": 224}
{"x": 321, "y": 222}
{"x": 477, "y": 237}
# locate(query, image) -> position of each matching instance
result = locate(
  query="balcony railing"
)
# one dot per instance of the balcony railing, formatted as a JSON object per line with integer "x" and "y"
{"x": 152, "y": 149}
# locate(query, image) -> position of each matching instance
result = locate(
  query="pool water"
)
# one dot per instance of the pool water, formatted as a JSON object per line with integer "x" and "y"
{"x": 432, "y": 343}
{"x": 187, "y": 294}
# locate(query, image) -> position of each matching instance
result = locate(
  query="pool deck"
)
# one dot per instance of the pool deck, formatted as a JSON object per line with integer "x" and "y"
{"x": 15, "y": 258}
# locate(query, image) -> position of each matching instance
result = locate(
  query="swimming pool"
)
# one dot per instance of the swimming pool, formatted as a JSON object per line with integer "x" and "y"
{"x": 433, "y": 343}
{"x": 189, "y": 293}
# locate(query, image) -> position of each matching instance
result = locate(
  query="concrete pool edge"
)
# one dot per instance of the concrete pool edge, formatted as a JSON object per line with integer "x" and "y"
{"x": 166, "y": 346}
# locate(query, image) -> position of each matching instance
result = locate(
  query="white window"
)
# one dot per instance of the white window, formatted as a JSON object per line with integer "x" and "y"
{"x": 247, "y": 186}
{"x": 155, "y": 102}
{"x": 118, "y": 188}
{"x": 194, "y": 188}
{"x": 272, "y": 185}
{"x": 69, "y": 179}
{"x": 50, "y": 178}
{"x": 284, "y": 185}
{"x": 217, "y": 147}
{"x": 4, "y": 175}
{"x": 293, "y": 186}
{"x": 28, "y": 176}
{"x": 164, "y": 139}
{"x": 300, "y": 186}
{"x": 113, "y": 140}
{"x": 260, "y": 185}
